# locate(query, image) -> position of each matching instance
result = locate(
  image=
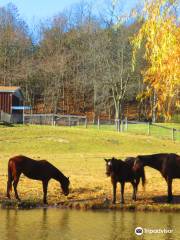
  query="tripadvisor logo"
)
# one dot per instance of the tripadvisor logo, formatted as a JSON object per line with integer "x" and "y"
{"x": 138, "y": 231}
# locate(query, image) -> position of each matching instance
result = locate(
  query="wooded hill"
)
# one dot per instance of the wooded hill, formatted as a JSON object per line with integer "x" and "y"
{"x": 76, "y": 62}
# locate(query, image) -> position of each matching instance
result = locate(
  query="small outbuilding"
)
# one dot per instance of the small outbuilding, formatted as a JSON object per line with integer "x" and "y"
{"x": 11, "y": 104}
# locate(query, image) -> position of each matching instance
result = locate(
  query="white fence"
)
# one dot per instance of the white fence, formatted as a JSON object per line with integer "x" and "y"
{"x": 55, "y": 119}
{"x": 135, "y": 127}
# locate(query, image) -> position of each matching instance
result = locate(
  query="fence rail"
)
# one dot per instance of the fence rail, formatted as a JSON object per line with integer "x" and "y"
{"x": 55, "y": 119}
{"x": 135, "y": 127}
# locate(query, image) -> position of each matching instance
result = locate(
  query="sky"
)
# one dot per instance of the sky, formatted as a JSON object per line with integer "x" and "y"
{"x": 34, "y": 10}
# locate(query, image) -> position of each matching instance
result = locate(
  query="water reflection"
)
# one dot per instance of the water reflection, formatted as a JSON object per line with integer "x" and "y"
{"x": 170, "y": 225}
{"x": 10, "y": 220}
{"x": 56, "y": 224}
{"x": 44, "y": 230}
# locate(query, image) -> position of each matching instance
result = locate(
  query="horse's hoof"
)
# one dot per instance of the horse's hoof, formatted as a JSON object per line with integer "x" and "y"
{"x": 122, "y": 202}
{"x": 113, "y": 202}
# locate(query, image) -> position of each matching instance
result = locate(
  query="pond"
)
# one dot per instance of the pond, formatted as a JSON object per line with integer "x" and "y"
{"x": 57, "y": 224}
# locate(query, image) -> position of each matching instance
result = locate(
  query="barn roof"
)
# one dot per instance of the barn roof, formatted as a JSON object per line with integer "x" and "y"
{"x": 9, "y": 89}
{"x": 12, "y": 89}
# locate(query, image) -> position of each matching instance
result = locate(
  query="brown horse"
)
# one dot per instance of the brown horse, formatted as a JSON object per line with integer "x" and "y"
{"x": 39, "y": 170}
{"x": 122, "y": 172}
{"x": 167, "y": 163}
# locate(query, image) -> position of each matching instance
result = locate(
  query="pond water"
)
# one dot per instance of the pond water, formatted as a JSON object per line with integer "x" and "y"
{"x": 57, "y": 224}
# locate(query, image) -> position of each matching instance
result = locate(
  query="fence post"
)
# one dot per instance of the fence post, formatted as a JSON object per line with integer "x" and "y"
{"x": 23, "y": 116}
{"x": 173, "y": 133}
{"x": 69, "y": 121}
{"x": 98, "y": 123}
{"x": 126, "y": 124}
{"x": 52, "y": 121}
{"x": 118, "y": 125}
{"x": 86, "y": 122}
{"x": 149, "y": 132}
{"x": 121, "y": 127}
{"x": 31, "y": 120}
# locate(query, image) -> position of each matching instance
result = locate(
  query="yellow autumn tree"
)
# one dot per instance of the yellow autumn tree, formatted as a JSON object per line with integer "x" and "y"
{"x": 161, "y": 34}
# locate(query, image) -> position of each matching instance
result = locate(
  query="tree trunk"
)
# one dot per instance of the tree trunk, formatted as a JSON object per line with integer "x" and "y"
{"x": 154, "y": 110}
{"x": 118, "y": 113}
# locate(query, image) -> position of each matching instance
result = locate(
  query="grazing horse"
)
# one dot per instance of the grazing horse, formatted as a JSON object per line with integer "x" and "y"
{"x": 39, "y": 170}
{"x": 121, "y": 171}
{"x": 167, "y": 163}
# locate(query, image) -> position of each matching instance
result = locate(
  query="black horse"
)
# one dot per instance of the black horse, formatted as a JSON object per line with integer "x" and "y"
{"x": 122, "y": 171}
{"x": 39, "y": 170}
{"x": 167, "y": 164}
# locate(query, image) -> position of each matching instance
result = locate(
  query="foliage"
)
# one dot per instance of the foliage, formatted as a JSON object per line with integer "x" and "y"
{"x": 15, "y": 47}
{"x": 81, "y": 62}
{"x": 161, "y": 33}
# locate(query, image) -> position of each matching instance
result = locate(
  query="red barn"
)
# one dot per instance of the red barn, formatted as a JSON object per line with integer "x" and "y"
{"x": 11, "y": 101}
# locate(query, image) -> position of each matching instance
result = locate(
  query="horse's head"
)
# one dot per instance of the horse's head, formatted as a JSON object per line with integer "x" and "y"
{"x": 138, "y": 164}
{"x": 65, "y": 186}
{"x": 109, "y": 166}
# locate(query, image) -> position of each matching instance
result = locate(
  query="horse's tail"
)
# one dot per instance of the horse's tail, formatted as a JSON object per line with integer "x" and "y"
{"x": 10, "y": 176}
{"x": 143, "y": 177}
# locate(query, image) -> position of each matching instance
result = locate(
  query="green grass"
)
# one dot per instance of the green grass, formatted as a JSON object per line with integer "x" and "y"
{"x": 176, "y": 118}
{"x": 142, "y": 129}
{"x": 79, "y": 152}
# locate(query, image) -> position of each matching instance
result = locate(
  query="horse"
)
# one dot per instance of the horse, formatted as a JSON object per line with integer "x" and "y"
{"x": 168, "y": 164}
{"x": 121, "y": 171}
{"x": 35, "y": 169}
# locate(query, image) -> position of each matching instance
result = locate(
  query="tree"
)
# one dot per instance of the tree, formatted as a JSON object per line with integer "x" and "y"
{"x": 116, "y": 83}
{"x": 161, "y": 34}
{"x": 79, "y": 63}
{"x": 15, "y": 46}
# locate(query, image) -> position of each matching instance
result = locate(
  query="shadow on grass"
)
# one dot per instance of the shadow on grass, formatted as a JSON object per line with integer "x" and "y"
{"x": 6, "y": 124}
{"x": 163, "y": 199}
{"x": 86, "y": 199}
{"x": 85, "y": 190}
{"x": 25, "y": 204}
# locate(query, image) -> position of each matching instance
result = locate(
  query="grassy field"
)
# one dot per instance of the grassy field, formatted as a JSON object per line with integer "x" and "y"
{"x": 156, "y": 130}
{"x": 79, "y": 153}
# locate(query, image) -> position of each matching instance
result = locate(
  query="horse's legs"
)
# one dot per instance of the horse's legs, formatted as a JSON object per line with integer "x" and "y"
{"x": 122, "y": 192}
{"x": 169, "y": 183}
{"x": 135, "y": 185}
{"x": 15, "y": 183}
{"x": 9, "y": 185}
{"x": 45, "y": 185}
{"x": 114, "y": 192}
{"x": 9, "y": 182}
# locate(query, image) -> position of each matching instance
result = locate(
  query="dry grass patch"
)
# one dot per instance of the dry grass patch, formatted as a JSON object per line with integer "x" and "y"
{"x": 79, "y": 153}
